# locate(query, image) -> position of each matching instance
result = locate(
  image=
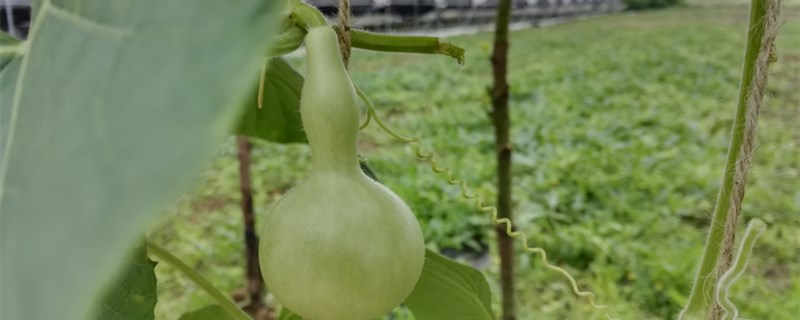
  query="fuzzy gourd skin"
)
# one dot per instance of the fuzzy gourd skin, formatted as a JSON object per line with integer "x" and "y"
{"x": 338, "y": 246}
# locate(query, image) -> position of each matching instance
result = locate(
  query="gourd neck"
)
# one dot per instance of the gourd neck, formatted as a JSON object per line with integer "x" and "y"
{"x": 324, "y": 161}
{"x": 328, "y": 105}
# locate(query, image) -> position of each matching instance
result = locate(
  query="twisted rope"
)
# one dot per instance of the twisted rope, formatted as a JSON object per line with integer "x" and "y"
{"x": 753, "y": 106}
{"x": 344, "y": 31}
{"x": 754, "y": 102}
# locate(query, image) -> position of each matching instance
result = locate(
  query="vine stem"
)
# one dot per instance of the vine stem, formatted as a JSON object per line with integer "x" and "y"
{"x": 479, "y": 205}
{"x": 718, "y": 251}
{"x": 253, "y": 279}
{"x": 403, "y": 43}
{"x": 222, "y": 300}
{"x": 306, "y": 16}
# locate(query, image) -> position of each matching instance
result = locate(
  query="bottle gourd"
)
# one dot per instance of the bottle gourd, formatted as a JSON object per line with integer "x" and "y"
{"x": 338, "y": 246}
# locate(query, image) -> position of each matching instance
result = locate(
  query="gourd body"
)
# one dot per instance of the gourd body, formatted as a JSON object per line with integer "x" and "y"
{"x": 338, "y": 246}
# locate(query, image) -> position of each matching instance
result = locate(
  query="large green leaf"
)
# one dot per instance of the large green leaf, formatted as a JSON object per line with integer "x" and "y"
{"x": 35, "y": 5}
{"x": 278, "y": 120}
{"x": 212, "y": 312}
{"x": 113, "y": 110}
{"x": 287, "y": 314}
{"x": 132, "y": 295}
{"x": 450, "y": 290}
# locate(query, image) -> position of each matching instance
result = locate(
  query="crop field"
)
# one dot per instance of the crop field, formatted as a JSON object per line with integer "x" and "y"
{"x": 620, "y": 130}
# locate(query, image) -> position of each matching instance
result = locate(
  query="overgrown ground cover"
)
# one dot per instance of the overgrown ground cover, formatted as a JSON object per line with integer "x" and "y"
{"x": 621, "y": 124}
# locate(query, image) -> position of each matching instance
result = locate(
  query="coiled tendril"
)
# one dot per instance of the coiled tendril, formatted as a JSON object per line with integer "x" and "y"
{"x": 479, "y": 205}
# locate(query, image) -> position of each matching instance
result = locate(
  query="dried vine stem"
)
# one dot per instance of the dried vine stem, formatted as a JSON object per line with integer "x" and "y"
{"x": 253, "y": 279}
{"x": 501, "y": 121}
{"x": 479, "y": 205}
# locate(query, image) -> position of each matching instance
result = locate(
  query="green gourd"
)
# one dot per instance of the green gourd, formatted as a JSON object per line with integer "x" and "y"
{"x": 338, "y": 246}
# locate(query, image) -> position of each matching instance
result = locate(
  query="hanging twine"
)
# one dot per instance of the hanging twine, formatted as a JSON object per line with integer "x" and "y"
{"x": 344, "y": 31}
{"x": 755, "y": 95}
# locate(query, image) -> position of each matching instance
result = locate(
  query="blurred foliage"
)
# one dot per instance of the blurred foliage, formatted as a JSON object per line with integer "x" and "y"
{"x": 133, "y": 294}
{"x": 649, "y": 4}
{"x": 621, "y": 125}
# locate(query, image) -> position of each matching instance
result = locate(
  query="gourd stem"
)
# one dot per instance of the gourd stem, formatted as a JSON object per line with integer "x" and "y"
{"x": 404, "y": 43}
{"x": 222, "y": 300}
{"x": 479, "y": 205}
{"x": 306, "y": 16}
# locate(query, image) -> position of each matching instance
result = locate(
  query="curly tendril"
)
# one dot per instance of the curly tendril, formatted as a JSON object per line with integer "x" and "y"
{"x": 366, "y": 121}
{"x": 480, "y": 206}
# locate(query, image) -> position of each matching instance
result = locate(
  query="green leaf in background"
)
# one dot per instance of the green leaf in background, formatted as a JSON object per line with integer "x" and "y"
{"x": 9, "y": 65}
{"x": 6, "y": 41}
{"x": 450, "y": 290}
{"x": 212, "y": 312}
{"x": 287, "y": 314}
{"x": 278, "y": 120}
{"x": 133, "y": 294}
{"x": 113, "y": 109}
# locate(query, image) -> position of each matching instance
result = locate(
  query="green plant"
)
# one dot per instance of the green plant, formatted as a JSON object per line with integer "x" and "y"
{"x": 584, "y": 208}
